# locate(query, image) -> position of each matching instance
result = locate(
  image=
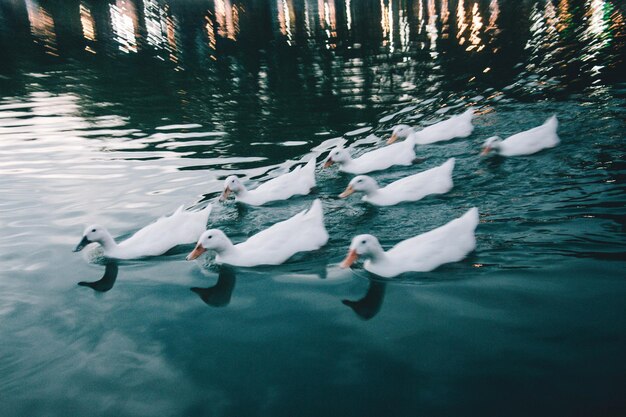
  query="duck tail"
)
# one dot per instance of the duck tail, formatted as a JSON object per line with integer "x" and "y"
{"x": 553, "y": 122}
{"x": 316, "y": 209}
{"x": 469, "y": 114}
{"x": 449, "y": 164}
{"x": 207, "y": 210}
{"x": 310, "y": 166}
{"x": 471, "y": 216}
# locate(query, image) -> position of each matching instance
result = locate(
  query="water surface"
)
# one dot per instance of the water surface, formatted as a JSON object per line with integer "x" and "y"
{"x": 118, "y": 112}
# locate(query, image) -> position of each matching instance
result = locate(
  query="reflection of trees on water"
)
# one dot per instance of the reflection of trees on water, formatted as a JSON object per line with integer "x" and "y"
{"x": 356, "y": 54}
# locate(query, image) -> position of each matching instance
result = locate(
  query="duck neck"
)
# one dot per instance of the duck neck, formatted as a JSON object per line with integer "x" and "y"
{"x": 226, "y": 247}
{"x": 107, "y": 242}
{"x": 371, "y": 191}
{"x": 377, "y": 254}
{"x": 346, "y": 162}
{"x": 242, "y": 191}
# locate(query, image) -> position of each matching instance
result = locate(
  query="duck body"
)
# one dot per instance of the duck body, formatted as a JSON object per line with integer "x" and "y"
{"x": 527, "y": 142}
{"x": 273, "y": 246}
{"x": 377, "y": 160}
{"x": 181, "y": 227}
{"x": 436, "y": 180}
{"x": 448, "y": 243}
{"x": 300, "y": 181}
{"x": 459, "y": 126}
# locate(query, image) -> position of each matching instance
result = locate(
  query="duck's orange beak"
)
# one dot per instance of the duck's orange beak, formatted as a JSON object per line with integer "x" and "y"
{"x": 225, "y": 194}
{"x": 350, "y": 259}
{"x": 392, "y": 139}
{"x": 328, "y": 163}
{"x": 347, "y": 192}
{"x": 485, "y": 151}
{"x": 199, "y": 250}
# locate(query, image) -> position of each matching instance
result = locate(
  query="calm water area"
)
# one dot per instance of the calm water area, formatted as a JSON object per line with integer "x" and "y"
{"x": 119, "y": 111}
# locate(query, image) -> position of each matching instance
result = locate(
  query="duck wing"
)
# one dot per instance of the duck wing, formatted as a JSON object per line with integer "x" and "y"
{"x": 532, "y": 140}
{"x": 298, "y": 181}
{"x": 437, "y": 180}
{"x": 448, "y": 243}
{"x": 181, "y": 227}
{"x": 401, "y": 153}
{"x": 303, "y": 232}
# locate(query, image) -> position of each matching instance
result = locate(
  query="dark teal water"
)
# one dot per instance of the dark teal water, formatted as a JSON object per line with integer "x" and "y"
{"x": 120, "y": 111}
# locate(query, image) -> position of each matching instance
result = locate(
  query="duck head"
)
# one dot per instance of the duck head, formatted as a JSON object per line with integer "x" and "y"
{"x": 362, "y": 245}
{"x": 338, "y": 155}
{"x": 491, "y": 143}
{"x": 361, "y": 183}
{"x": 400, "y": 131}
{"x": 213, "y": 239}
{"x": 231, "y": 184}
{"x": 93, "y": 234}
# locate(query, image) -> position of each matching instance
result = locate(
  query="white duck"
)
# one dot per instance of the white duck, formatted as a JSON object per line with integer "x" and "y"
{"x": 436, "y": 180}
{"x": 459, "y": 126}
{"x": 448, "y": 243}
{"x": 527, "y": 142}
{"x": 303, "y": 232}
{"x": 182, "y": 227}
{"x": 376, "y": 160}
{"x": 300, "y": 181}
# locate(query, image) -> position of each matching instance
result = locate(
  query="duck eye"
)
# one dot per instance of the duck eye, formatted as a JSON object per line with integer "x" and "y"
{"x": 93, "y": 230}
{"x": 210, "y": 237}
{"x": 363, "y": 242}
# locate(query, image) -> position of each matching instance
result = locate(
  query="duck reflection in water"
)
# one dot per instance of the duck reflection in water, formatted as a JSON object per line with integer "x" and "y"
{"x": 368, "y": 306}
{"x": 107, "y": 281}
{"x": 219, "y": 295}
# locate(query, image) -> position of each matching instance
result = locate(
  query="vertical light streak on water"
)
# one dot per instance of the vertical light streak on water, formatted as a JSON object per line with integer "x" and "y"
{"x": 210, "y": 32}
{"x": 308, "y": 26}
{"x": 88, "y": 26}
{"x": 461, "y": 26}
{"x": 42, "y": 27}
{"x": 123, "y": 22}
{"x": 476, "y": 43}
{"x": 431, "y": 28}
{"x": 596, "y": 36}
{"x": 227, "y": 19}
{"x": 420, "y": 16}
{"x": 404, "y": 27}
{"x": 445, "y": 16}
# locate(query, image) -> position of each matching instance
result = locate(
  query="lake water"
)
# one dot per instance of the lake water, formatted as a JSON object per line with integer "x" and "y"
{"x": 118, "y": 112}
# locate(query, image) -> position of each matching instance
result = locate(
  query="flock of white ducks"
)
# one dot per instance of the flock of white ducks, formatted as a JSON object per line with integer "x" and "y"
{"x": 306, "y": 231}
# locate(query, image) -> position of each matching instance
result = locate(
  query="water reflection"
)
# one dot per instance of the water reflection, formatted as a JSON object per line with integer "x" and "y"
{"x": 220, "y": 294}
{"x": 107, "y": 281}
{"x": 42, "y": 26}
{"x": 227, "y": 18}
{"x": 564, "y": 41}
{"x": 368, "y": 306}
{"x": 89, "y": 28}
{"x": 475, "y": 29}
{"x": 124, "y": 24}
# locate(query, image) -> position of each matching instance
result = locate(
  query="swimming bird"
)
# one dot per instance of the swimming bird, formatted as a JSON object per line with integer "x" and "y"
{"x": 301, "y": 233}
{"x": 182, "y": 227}
{"x": 527, "y": 142}
{"x": 459, "y": 126}
{"x": 397, "y": 154}
{"x": 436, "y": 180}
{"x": 300, "y": 181}
{"x": 448, "y": 243}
